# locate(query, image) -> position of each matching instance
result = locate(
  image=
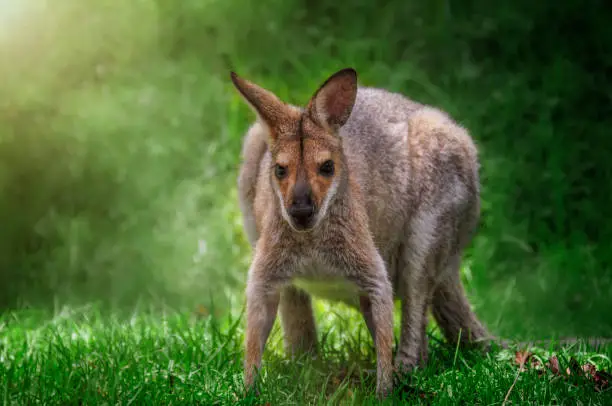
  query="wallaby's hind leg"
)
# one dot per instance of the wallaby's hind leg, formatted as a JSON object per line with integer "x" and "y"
{"x": 412, "y": 349}
{"x": 452, "y": 310}
{"x": 297, "y": 319}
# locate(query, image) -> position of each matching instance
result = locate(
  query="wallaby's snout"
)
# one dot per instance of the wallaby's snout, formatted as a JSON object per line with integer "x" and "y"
{"x": 302, "y": 208}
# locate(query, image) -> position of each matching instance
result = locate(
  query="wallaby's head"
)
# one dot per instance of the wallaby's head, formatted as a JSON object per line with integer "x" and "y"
{"x": 308, "y": 165}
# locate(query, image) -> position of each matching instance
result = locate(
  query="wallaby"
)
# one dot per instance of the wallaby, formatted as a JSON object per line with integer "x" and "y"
{"x": 362, "y": 196}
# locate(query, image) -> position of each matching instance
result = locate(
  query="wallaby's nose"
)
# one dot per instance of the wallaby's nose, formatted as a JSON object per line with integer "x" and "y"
{"x": 302, "y": 206}
{"x": 302, "y": 209}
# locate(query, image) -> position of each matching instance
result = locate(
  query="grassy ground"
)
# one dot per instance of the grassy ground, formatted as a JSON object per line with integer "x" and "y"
{"x": 120, "y": 136}
{"x": 82, "y": 357}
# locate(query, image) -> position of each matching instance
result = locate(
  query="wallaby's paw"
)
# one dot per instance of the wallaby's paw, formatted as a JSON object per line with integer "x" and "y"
{"x": 405, "y": 364}
{"x": 384, "y": 389}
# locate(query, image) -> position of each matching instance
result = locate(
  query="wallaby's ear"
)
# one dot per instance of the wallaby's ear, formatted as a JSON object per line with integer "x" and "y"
{"x": 332, "y": 104}
{"x": 268, "y": 107}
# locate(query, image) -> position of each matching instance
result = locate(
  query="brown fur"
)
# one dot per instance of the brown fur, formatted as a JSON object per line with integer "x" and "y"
{"x": 392, "y": 221}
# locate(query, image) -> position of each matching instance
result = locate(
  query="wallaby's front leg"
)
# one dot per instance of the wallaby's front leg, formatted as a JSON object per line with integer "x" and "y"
{"x": 370, "y": 275}
{"x": 262, "y": 298}
{"x": 366, "y": 310}
{"x": 298, "y": 321}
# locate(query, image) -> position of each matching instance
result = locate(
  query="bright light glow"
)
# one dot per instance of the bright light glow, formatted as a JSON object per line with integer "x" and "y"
{"x": 10, "y": 9}
{"x": 10, "y": 13}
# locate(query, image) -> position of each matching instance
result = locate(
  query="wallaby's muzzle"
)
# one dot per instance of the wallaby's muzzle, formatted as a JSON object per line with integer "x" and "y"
{"x": 302, "y": 211}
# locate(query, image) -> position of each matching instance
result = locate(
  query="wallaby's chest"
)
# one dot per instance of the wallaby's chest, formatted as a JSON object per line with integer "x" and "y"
{"x": 330, "y": 288}
{"x": 322, "y": 281}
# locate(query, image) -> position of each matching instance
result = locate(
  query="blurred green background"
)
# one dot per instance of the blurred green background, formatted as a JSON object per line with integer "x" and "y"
{"x": 120, "y": 136}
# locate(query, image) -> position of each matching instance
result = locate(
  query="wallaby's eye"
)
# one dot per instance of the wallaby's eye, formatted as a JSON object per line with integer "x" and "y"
{"x": 327, "y": 168}
{"x": 280, "y": 171}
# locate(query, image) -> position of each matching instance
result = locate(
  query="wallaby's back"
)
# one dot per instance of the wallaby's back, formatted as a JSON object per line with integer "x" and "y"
{"x": 406, "y": 156}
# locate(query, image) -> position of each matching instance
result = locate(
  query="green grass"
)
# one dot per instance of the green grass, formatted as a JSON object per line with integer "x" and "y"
{"x": 84, "y": 357}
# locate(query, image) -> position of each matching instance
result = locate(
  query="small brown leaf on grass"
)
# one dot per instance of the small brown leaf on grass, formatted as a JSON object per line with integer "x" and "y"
{"x": 521, "y": 357}
{"x": 553, "y": 365}
{"x": 589, "y": 370}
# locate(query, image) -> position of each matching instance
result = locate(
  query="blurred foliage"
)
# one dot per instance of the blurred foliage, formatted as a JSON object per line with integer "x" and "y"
{"x": 120, "y": 138}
